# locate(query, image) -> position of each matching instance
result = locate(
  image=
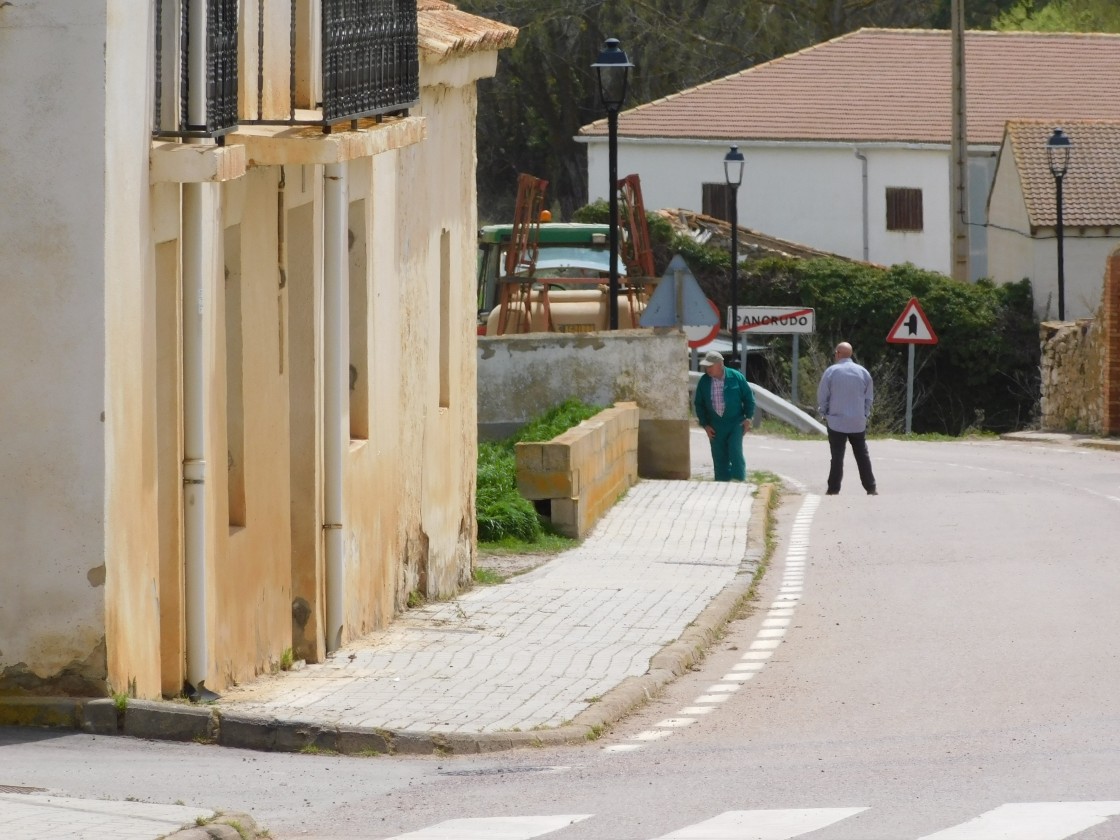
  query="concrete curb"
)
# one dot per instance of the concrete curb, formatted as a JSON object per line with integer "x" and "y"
{"x": 170, "y": 721}
{"x": 1063, "y": 438}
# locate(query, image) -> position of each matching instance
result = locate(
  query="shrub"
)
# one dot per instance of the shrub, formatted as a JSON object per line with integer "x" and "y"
{"x": 500, "y": 510}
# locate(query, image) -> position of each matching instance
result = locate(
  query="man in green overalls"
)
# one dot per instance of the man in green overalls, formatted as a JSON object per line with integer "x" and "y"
{"x": 724, "y": 406}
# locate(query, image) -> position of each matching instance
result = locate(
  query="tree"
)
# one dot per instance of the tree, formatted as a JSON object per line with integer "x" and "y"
{"x": 1061, "y": 16}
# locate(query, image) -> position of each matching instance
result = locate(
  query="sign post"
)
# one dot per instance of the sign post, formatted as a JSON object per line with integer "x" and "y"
{"x": 912, "y": 327}
{"x": 778, "y": 319}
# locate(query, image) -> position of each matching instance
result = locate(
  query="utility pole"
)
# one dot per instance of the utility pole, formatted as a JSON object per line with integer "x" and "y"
{"x": 958, "y": 152}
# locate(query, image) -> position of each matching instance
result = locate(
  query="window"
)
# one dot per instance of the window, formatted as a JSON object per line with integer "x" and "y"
{"x": 904, "y": 208}
{"x": 716, "y": 201}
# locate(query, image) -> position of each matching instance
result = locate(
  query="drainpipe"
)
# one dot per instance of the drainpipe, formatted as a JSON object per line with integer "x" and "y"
{"x": 866, "y": 229}
{"x": 197, "y": 309}
{"x": 336, "y": 381}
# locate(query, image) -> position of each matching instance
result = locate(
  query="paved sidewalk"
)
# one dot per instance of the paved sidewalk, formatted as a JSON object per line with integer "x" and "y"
{"x": 39, "y": 817}
{"x": 538, "y": 652}
{"x": 549, "y": 657}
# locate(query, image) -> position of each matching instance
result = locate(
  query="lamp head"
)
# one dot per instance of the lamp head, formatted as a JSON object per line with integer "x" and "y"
{"x": 1058, "y": 149}
{"x": 733, "y": 163}
{"x": 612, "y": 67}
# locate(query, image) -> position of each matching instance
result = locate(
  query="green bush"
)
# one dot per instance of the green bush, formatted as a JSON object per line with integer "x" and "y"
{"x": 982, "y": 373}
{"x": 502, "y": 511}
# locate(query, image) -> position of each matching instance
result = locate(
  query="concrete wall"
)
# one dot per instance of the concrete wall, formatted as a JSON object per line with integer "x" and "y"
{"x": 53, "y": 389}
{"x": 812, "y": 193}
{"x": 522, "y": 376}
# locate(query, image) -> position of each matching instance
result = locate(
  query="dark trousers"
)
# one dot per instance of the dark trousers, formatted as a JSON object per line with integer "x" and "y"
{"x": 836, "y": 442}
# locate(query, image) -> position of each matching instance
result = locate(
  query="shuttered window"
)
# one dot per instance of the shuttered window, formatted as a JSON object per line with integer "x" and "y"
{"x": 716, "y": 201}
{"x": 904, "y": 208}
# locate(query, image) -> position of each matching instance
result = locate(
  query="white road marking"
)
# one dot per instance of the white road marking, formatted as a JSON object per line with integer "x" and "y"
{"x": 768, "y": 638}
{"x": 493, "y": 828}
{"x": 763, "y": 825}
{"x": 1031, "y": 821}
{"x": 740, "y": 676}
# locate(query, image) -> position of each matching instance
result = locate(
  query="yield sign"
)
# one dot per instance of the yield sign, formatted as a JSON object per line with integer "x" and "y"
{"x": 679, "y": 301}
{"x": 912, "y": 326}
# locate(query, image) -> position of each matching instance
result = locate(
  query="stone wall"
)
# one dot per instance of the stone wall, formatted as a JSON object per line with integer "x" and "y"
{"x": 1081, "y": 367}
{"x": 583, "y": 471}
{"x": 1071, "y": 376}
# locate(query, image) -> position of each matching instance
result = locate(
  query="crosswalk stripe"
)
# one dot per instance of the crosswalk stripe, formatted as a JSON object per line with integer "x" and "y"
{"x": 493, "y": 828}
{"x": 1031, "y": 821}
{"x": 763, "y": 825}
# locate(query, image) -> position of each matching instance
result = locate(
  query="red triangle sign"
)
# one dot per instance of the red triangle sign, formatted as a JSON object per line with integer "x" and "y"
{"x": 912, "y": 326}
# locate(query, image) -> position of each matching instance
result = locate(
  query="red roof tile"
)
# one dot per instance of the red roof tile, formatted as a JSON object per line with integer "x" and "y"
{"x": 1091, "y": 187}
{"x": 894, "y": 85}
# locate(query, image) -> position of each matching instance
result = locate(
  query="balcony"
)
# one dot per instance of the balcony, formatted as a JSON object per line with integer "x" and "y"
{"x": 303, "y": 62}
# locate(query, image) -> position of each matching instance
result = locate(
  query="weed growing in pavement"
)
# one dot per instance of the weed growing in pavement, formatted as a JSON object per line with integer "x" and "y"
{"x": 487, "y": 577}
{"x": 287, "y": 659}
{"x": 120, "y": 701}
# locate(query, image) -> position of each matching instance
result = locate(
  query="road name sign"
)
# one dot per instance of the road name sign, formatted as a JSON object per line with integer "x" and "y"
{"x": 775, "y": 319}
{"x": 912, "y": 326}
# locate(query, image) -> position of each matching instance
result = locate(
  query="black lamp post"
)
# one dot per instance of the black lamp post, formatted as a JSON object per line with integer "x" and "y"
{"x": 733, "y": 171}
{"x": 612, "y": 67}
{"x": 1058, "y": 149}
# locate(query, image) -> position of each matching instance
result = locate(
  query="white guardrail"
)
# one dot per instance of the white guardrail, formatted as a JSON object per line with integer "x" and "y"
{"x": 772, "y": 404}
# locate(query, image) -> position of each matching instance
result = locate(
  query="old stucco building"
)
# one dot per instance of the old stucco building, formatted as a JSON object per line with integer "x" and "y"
{"x": 238, "y": 388}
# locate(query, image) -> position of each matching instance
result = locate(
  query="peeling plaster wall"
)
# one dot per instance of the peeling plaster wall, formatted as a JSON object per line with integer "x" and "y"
{"x": 52, "y": 371}
{"x": 131, "y": 527}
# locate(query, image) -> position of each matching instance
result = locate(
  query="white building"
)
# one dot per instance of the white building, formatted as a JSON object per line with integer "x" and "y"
{"x": 237, "y": 391}
{"x": 1023, "y": 214}
{"x": 847, "y": 143}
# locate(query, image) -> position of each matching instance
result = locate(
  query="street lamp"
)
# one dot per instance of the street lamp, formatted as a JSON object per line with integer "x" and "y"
{"x": 612, "y": 67}
{"x": 1058, "y": 149}
{"x": 733, "y": 171}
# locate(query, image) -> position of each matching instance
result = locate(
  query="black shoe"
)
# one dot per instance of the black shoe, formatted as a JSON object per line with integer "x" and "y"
{"x": 833, "y": 493}
{"x": 872, "y": 492}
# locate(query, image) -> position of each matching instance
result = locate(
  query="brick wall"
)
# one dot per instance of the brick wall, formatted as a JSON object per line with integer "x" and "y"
{"x": 1109, "y": 317}
{"x": 583, "y": 471}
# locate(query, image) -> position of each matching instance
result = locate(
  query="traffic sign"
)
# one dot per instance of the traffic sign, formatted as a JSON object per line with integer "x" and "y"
{"x": 912, "y": 326}
{"x": 678, "y": 300}
{"x": 774, "y": 319}
{"x": 698, "y": 336}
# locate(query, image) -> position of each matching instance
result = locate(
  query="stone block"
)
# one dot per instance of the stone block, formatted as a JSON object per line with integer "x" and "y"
{"x": 59, "y": 712}
{"x": 100, "y": 717}
{"x": 162, "y": 721}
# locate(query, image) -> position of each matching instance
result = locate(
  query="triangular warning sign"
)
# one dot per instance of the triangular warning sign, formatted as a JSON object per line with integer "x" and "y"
{"x": 912, "y": 326}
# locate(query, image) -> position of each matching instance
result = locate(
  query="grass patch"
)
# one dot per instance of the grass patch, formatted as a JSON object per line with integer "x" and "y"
{"x": 547, "y": 543}
{"x": 487, "y": 577}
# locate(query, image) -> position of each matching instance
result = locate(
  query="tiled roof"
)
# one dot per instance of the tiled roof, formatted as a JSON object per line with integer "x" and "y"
{"x": 446, "y": 31}
{"x": 1091, "y": 187}
{"x": 894, "y": 85}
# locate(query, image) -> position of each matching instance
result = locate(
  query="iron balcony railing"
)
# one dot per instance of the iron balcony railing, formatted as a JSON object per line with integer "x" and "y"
{"x": 371, "y": 61}
{"x": 220, "y": 73}
{"x": 370, "y": 64}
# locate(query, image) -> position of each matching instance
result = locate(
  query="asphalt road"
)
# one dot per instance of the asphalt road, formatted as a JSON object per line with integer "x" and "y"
{"x": 947, "y": 671}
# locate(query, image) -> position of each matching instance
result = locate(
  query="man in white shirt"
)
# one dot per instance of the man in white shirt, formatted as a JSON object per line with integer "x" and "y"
{"x": 844, "y": 399}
